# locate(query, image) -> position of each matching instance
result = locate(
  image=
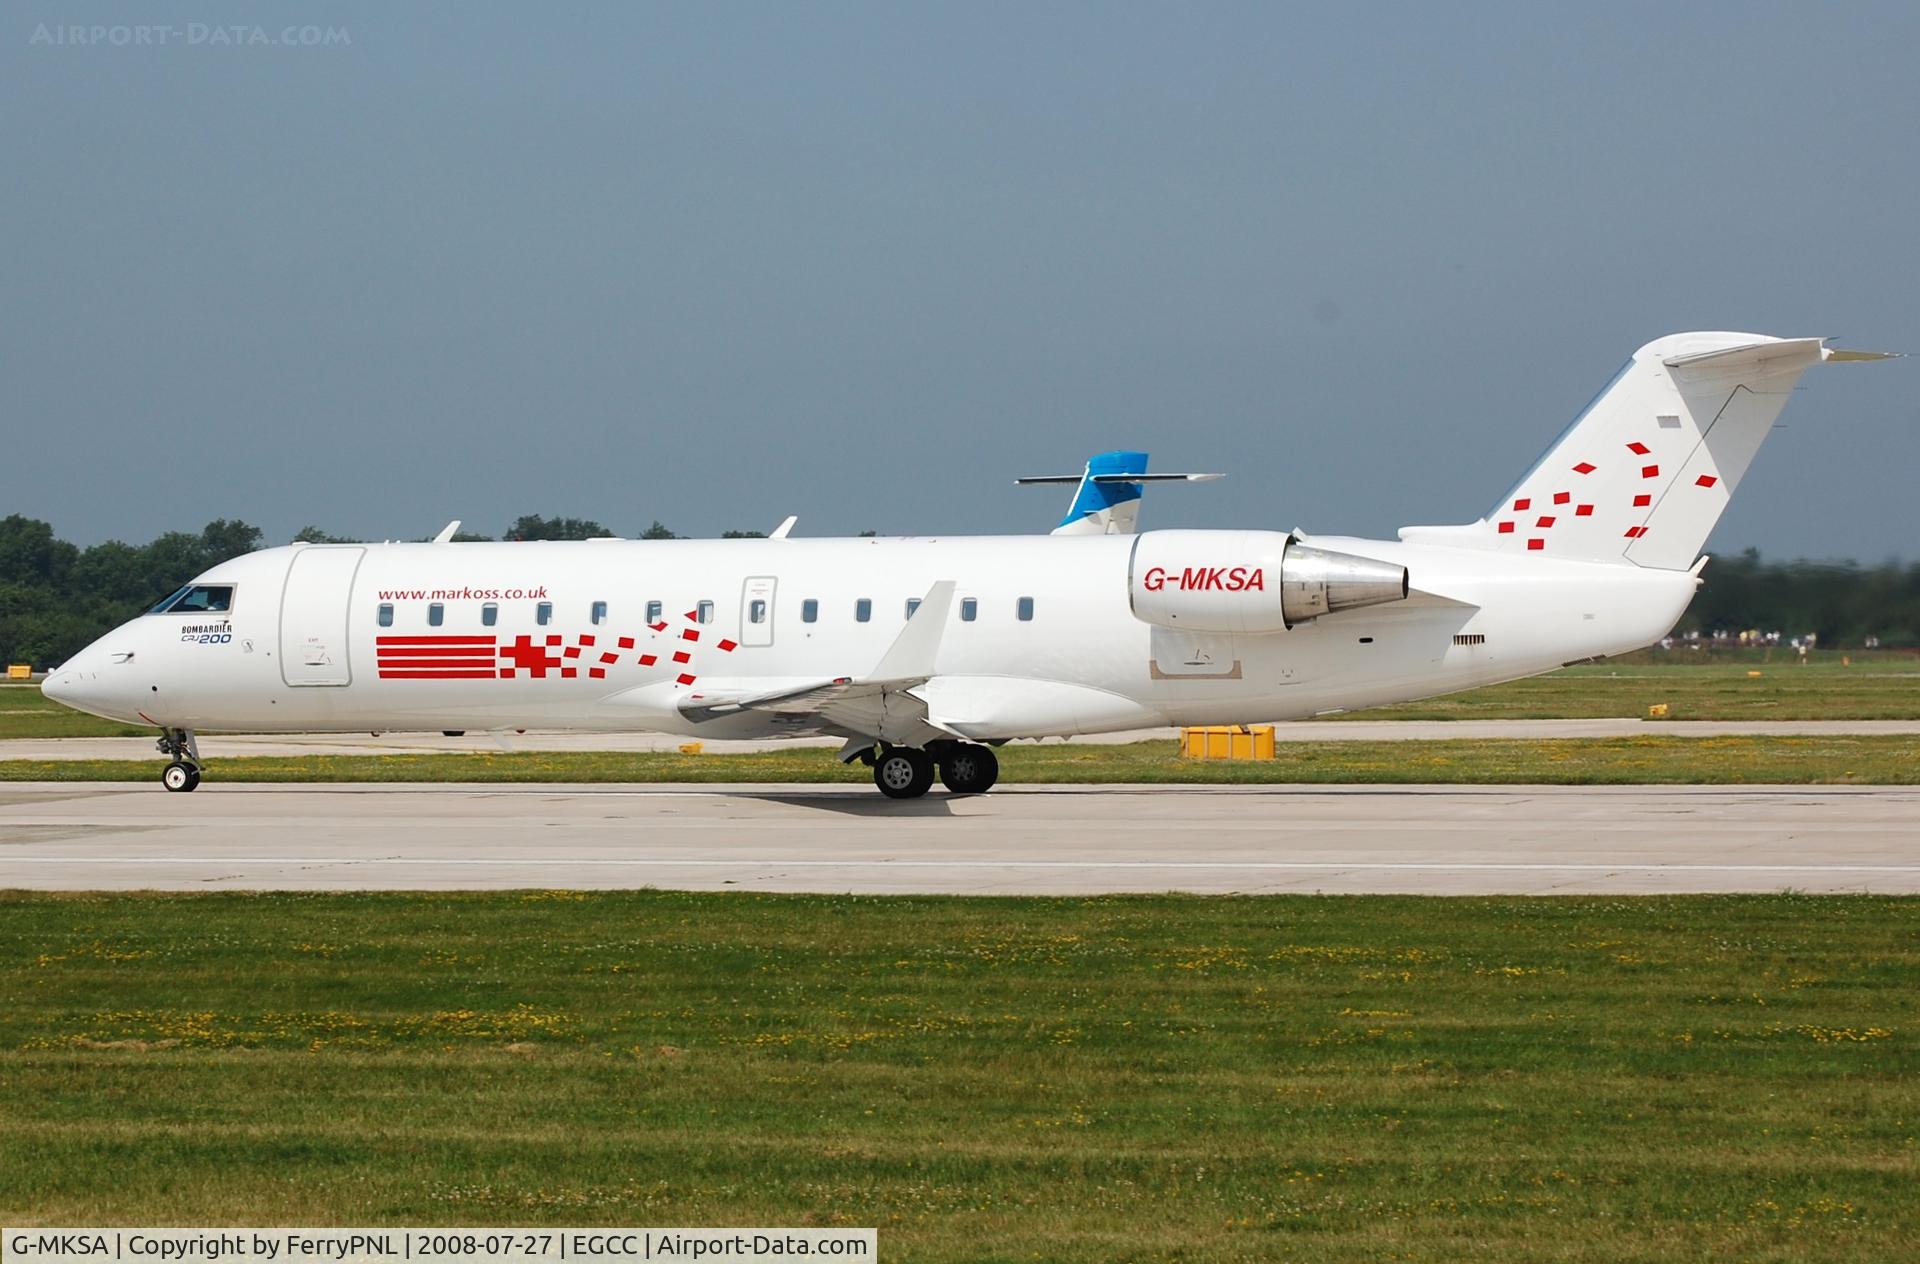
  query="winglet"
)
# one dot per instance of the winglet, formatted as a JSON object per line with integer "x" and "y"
{"x": 446, "y": 532}
{"x": 780, "y": 532}
{"x": 912, "y": 654}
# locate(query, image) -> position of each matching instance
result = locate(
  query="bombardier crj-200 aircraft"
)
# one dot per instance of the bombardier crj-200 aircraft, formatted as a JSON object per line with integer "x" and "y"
{"x": 926, "y": 653}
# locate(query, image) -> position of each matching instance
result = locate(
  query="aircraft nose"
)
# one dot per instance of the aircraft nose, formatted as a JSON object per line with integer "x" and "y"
{"x": 86, "y": 683}
{"x": 73, "y": 683}
{"x": 57, "y": 686}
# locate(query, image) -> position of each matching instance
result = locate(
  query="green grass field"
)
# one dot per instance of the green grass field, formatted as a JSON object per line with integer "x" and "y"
{"x": 1091, "y": 1079}
{"x": 26, "y": 712}
{"x": 1879, "y": 687}
{"x": 1738, "y": 760}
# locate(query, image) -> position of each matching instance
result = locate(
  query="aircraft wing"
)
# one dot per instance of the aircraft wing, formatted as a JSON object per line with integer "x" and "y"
{"x": 722, "y": 697}
{"x": 875, "y": 704}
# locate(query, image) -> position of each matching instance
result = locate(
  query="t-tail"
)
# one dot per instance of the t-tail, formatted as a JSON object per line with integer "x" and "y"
{"x": 1644, "y": 472}
{"x": 1106, "y": 498}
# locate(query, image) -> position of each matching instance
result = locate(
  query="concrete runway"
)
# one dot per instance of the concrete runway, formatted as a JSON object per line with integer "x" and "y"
{"x": 235, "y": 745}
{"x": 1017, "y": 840}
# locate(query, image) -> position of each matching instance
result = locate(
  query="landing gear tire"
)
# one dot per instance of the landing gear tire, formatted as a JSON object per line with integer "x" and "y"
{"x": 969, "y": 768}
{"x": 182, "y": 772}
{"x": 903, "y": 772}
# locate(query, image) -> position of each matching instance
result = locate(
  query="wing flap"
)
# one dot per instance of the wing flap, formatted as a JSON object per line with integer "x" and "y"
{"x": 877, "y": 704}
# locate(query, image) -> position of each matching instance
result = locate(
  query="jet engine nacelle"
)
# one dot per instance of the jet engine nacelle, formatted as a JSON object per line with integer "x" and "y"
{"x": 1250, "y": 581}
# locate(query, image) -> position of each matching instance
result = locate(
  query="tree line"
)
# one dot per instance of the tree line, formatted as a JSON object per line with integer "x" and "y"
{"x": 56, "y": 597}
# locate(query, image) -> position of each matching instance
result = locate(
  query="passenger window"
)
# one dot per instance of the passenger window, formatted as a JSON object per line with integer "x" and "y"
{"x": 436, "y": 615}
{"x": 863, "y": 610}
{"x": 913, "y": 604}
{"x": 543, "y": 613}
{"x": 969, "y": 609}
{"x": 198, "y": 599}
{"x": 809, "y": 611}
{"x": 705, "y": 611}
{"x": 1026, "y": 610}
{"x": 599, "y": 612}
{"x": 386, "y": 614}
{"x": 757, "y": 612}
{"x": 489, "y": 615}
{"x": 653, "y": 612}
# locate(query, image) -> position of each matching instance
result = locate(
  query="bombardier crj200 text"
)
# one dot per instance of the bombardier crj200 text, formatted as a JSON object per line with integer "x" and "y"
{"x": 925, "y": 653}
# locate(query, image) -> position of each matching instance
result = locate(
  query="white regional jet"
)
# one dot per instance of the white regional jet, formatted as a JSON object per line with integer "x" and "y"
{"x": 925, "y": 653}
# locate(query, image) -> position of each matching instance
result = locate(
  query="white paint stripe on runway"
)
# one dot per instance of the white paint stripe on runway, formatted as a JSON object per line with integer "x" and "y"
{"x": 548, "y": 861}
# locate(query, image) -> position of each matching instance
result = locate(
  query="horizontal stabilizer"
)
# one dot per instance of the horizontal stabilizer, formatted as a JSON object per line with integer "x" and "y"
{"x": 1784, "y": 350}
{"x": 1118, "y": 478}
{"x": 1106, "y": 499}
{"x": 1156, "y": 478}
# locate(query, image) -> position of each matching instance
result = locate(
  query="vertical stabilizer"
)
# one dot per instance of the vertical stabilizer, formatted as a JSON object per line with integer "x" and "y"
{"x": 1103, "y": 506}
{"x": 1645, "y": 471}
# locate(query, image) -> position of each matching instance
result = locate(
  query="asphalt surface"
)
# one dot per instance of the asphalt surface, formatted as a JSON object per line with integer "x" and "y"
{"x": 1015, "y": 841}
{"x": 214, "y": 746}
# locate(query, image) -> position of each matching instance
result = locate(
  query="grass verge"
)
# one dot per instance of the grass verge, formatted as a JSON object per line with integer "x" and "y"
{"x": 1887, "y": 688}
{"x": 1842, "y": 760}
{"x": 1354, "y": 1078}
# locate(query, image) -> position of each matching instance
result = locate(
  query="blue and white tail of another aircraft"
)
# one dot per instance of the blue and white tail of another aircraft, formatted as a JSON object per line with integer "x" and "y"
{"x": 1106, "y": 500}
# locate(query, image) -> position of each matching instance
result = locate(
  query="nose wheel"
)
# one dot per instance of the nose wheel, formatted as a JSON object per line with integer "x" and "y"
{"x": 182, "y": 772}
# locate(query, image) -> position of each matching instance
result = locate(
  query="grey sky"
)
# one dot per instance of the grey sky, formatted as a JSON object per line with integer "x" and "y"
{"x": 716, "y": 264}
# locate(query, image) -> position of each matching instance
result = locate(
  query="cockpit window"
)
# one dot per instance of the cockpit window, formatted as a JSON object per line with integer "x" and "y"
{"x": 198, "y": 599}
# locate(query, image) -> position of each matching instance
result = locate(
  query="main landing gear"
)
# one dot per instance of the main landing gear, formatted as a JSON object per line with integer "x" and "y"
{"x": 907, "y": 772}
{"x": 182, "y": 773}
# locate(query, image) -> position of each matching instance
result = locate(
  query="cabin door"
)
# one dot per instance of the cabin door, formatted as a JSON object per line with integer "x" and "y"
{"x": 756, "y": 611}
{"x": 314, "y": 616}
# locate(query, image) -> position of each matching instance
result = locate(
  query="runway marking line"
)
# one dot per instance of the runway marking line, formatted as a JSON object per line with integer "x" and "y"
{"x": 549, "y": 861}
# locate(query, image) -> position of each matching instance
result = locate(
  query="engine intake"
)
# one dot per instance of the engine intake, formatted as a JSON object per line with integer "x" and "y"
{"x": 1250, "y": 581}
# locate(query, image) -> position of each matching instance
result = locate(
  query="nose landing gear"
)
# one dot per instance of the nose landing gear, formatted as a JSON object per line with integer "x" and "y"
{"x": 183, "y": 772}
{"x": 906, "y": 772}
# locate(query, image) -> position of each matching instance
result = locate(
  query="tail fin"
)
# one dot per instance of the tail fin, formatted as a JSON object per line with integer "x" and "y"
{"x": 1643, "y": 474}
{"x": 1106, "y": 500}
